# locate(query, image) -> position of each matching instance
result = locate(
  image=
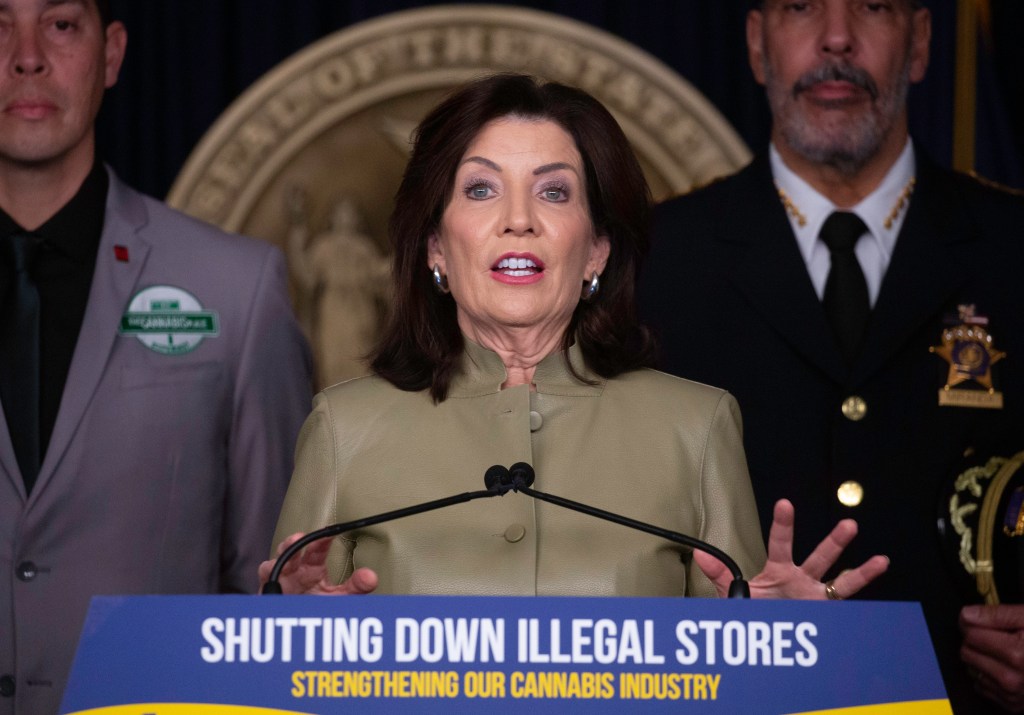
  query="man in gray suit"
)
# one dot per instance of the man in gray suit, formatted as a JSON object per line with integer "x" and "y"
{"x": 152, "y": 377}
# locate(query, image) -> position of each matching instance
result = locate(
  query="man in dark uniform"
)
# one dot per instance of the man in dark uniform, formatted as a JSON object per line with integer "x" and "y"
{"x": 152, "y": 377}
{"x": 866, "y": 309}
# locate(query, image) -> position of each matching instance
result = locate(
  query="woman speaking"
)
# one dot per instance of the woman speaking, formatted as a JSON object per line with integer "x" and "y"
{"x": 517, "y": 232}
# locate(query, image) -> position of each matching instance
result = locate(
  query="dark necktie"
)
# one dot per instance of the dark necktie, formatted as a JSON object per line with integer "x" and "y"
{"x": 19, "y": 356}
{"x": 846, "y": 292}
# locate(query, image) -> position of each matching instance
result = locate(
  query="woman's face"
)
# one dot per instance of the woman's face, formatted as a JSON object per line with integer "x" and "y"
{"x": 516, "y": 241}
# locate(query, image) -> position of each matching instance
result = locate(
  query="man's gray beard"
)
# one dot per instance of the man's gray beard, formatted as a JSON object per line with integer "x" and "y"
{"x": 847, "y": 146}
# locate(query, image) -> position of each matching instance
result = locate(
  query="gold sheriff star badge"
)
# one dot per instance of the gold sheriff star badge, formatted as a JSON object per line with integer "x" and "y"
{"x": 968, "y": 348}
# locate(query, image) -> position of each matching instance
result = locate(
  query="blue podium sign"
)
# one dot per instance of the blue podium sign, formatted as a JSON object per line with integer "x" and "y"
{"x": 170, "y": 655}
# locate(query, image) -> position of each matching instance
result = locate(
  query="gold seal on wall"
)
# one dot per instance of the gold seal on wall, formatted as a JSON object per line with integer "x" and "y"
{"x": 310, "y": 156}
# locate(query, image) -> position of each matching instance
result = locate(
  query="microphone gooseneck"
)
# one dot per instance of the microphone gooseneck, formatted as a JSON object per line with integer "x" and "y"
{"x": 498, "y": 481}
{"x": 273, "y": 584}
{"x": 521, "y": 478}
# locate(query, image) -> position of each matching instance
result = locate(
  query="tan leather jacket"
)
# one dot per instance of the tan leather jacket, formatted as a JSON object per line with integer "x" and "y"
{"x": 646, "y": 445}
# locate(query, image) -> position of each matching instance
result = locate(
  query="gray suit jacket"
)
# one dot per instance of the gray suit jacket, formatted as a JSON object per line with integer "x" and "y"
{"x": 167, "y": 467}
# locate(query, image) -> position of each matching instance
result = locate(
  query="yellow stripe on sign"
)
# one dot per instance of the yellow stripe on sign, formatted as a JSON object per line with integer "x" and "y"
{"x": 185, "y": 709}
{"x": 918, "y": 707}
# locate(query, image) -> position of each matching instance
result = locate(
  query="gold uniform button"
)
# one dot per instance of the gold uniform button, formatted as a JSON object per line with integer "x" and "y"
{"x": 515, "y": 533}
{"x": 850, "y": 493}
{"x": 535, "y": 420}
{"x": 854, "y": 408}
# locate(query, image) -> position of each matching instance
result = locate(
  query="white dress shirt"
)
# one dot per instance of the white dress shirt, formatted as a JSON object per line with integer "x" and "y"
{"x": 873, "y": 253}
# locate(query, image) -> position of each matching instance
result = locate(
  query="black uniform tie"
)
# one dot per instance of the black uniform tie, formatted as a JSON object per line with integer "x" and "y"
{"x": 19, "y": 356}
{"x": 846, "y": 292}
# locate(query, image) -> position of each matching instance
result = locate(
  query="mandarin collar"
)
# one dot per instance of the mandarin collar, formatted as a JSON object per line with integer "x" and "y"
{"x": 482, "y": 372}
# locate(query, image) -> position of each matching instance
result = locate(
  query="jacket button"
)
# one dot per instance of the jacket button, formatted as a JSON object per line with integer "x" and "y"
{"x": 7, "y": 686}
{"x": 535, "y": 420}
{"x": 26, "y": 571}
{"x": 850, "y": 493}
{"x": 854, "y": 408}
{"x": 515, "y": 533}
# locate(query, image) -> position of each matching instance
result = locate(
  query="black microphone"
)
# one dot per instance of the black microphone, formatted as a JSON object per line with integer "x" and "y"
{"x": 520, "y": 477}
{"x": 493, "y": 476}
{"x": 497, "y": 479}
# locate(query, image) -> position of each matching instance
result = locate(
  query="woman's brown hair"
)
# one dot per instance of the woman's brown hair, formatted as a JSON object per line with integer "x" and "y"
{"x": 421, "y": 345}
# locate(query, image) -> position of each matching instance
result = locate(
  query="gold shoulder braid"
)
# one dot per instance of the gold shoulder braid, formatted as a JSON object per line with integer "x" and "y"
{"x": 990, "y": 184}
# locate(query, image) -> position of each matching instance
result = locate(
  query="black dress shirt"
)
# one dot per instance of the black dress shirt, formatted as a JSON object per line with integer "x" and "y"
{"x": 62, "y": 271}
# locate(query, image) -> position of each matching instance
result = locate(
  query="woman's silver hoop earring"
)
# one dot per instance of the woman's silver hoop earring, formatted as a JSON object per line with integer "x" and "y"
{"x": 591, "y": 289}
{"x": 440, "y": 281}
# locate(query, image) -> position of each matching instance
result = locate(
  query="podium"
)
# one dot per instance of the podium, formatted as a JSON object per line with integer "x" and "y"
{"x": 243, "y": 655}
